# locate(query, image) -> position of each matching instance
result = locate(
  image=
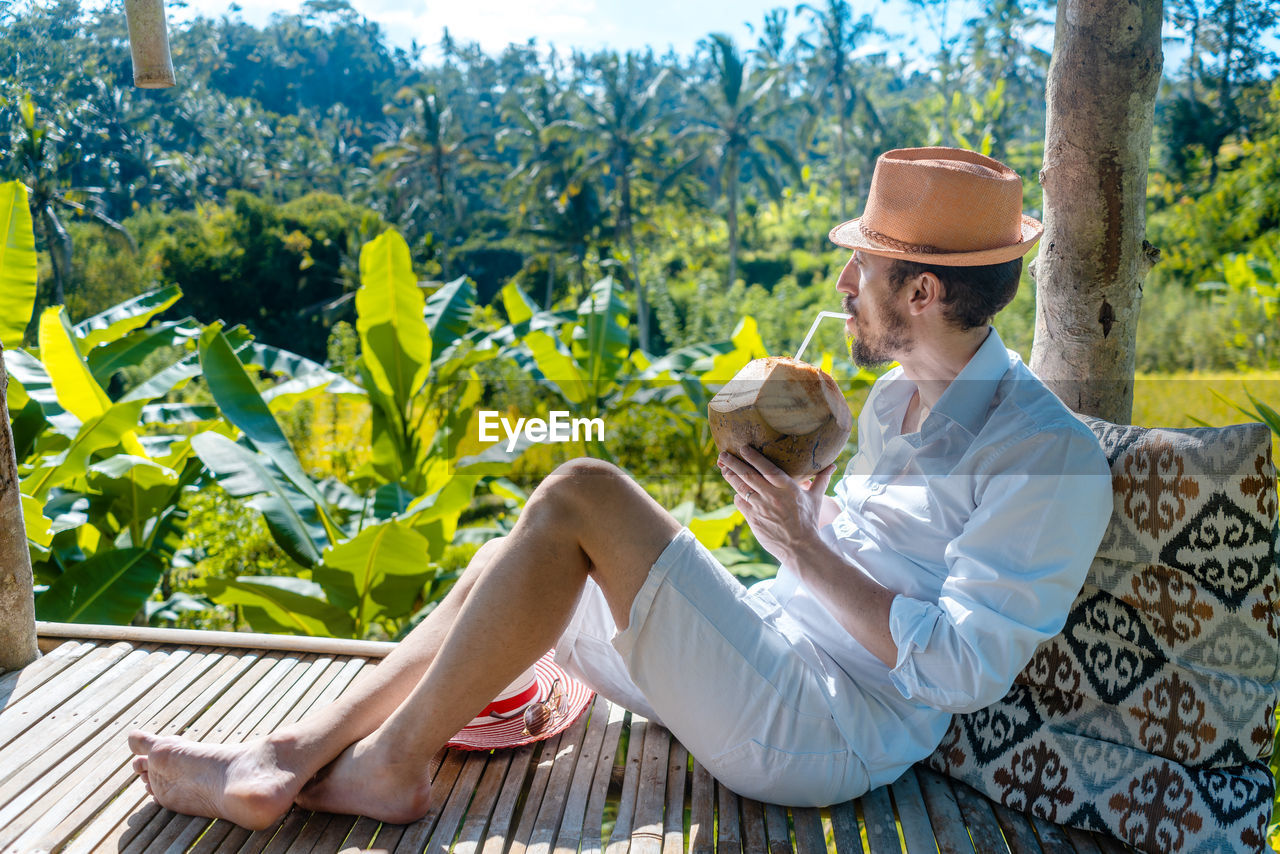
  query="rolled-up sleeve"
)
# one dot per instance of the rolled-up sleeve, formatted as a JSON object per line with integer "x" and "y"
{"x": 1013, "y": 572}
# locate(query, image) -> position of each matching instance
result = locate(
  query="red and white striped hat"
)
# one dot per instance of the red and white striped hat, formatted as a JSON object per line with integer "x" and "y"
{"x": 542, "y": 702}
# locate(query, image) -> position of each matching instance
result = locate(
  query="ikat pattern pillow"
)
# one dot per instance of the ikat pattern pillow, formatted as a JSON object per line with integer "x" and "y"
{"x": 1150, "y": 717}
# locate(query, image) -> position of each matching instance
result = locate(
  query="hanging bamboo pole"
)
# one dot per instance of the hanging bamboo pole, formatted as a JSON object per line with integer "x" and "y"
{"x": 17, "y": 600}
{"x": 149, "y": 44}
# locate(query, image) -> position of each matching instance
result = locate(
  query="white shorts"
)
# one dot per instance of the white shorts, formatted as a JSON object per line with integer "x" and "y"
{"x": 725, "y": 670}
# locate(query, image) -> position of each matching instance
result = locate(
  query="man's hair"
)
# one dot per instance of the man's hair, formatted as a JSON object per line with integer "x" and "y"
{"x": 973, "y": 295}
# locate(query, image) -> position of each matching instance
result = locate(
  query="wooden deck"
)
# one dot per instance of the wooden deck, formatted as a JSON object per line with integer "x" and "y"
{"x": 623, "y": 785}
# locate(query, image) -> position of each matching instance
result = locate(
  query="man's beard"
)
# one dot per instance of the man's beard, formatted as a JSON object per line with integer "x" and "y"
{"x": 894, "y": 339}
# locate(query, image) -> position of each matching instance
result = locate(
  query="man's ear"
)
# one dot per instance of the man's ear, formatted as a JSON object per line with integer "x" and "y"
{"x": 923, "y": 291}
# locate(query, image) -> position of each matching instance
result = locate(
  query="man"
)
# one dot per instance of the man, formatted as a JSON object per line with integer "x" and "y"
{"x": 954, "y": 545}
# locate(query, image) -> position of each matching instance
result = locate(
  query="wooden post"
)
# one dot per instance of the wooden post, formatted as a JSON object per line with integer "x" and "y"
{"x": 1093, "y": 256}
{"x": 149, "y": 44}
{"x": 17, "y": 600}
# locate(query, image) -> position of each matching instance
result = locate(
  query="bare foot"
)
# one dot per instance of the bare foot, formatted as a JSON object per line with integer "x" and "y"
{"x": 242, "y": 783}
{"x": 368, "y": 780}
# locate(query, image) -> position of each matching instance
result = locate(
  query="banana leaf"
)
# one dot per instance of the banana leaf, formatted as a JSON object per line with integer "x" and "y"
{"x": 601, "y": 341}
{"x": 78, "y": 392}
{"x": 110, "y": 587}
{"x": 448, "y": 314}
{"x": 281, "y": 605}
{"x": 139, "y": 488}
{"x": 395, "y": 340}
{"x": 290, "y": 516}
{"x": 113, "y": 427}
{"x": 129, "y": 350}
{"x": 244, "y": 407}
{"x": 17, "y": 264}
{"x": 123, "y": 318}
{"x": 378, "y": 574}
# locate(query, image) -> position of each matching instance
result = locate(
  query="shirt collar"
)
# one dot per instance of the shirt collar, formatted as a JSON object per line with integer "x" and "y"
{"x": 968, "y": 398}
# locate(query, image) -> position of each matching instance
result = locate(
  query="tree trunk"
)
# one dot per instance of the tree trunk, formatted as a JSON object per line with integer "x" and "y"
{"x": 629, "y": 235}
{"x": 1093, "y": 258}
{"x": 17, "y": 601}
{"x": 732, "y": 178}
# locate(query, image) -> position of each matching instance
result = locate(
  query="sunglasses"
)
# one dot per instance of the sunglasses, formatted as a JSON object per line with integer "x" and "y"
{"x": 537, "y": 716}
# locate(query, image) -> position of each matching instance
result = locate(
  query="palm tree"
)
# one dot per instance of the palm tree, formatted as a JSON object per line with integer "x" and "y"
{"x": 622, "y": 107}
{"x": 40, "y": 163}
{"x": 735, "y": 123}
{"x": 838, "y": 35}
{"x": 429, "y": 144}
{"x": 551, "y": 187}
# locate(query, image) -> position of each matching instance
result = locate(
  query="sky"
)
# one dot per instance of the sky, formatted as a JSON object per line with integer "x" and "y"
{"x": 586, "y": 24}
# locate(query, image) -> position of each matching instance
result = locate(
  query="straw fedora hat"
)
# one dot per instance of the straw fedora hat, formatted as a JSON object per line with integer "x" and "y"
{"x": 542, "y": 702}
{"x": 943, "y": 206}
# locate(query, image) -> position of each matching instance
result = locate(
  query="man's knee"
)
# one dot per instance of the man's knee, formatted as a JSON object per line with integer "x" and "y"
{"x": 576, "y": 484}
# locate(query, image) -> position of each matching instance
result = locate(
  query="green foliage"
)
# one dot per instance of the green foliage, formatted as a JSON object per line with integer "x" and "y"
{"x": 17, "y": 263}
{"x": 110, "y": 520}
{"x": 281, "y": 271}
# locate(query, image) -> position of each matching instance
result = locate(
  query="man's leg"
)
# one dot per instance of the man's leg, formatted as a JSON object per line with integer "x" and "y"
{"x": 255, "y": 782}
{"x": 585, "y": 518}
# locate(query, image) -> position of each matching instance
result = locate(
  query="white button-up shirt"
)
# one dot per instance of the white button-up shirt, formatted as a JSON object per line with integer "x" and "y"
{"x": 984, "y": 523}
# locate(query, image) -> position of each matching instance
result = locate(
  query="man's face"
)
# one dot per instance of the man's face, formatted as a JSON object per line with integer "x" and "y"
{"x": 877, "y": 326}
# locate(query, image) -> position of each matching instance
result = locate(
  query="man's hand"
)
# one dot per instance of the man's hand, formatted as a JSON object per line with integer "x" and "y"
{"x": 781, "y": 511}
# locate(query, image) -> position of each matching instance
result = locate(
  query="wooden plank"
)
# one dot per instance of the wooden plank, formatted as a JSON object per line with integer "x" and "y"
{"x": 360, "y": 838}
{"x": 446, "y": 777}
{"x": 651, "y": 799}
{"x": 536, "y": 788}
{"x": 136, "y": 635}
{"x": 286, "y": 837}
{"x": 755, "y": 839}
{"x": 484, "y": 803}
{"x": 844, "y": 827}
{"x": 39, "y": 705}
{"x": 673, "y": 822}
{"x": 1109, "y": 844}
{"x": 702, "y": 811}
{"x": 808, "y": 826}
{"x": 981, "y": 821}
{"x": 728, "y": 822}
{"x": 1053, "y": 839}
{"x": 83, "y": 715}
{"x": 547, "y": 824}
{"x": 236, "y": 729}
{"x": 110, "y": 828}
{"x": 221, "y": 836}
{"x": 1083, "y": 841}
{"x": 944, "y": 813}
{"x": 17, "y": 684}
{"x": 504, "y": 812}
{"x": 77, "y": 805}
{"x": 572, "y": 825}
{"x": 337, "y": 675}
{"x": 1018, "y": 832}
{"x": 473, "y": 764}
{"x": 316, "y": 828}
{"x": 83, "y": 767}
{"x": 908, "y": 802}
{"x": 593, "y": 819}
{"x": 35, "y": 760}
{"x": 777, "y": 829}
{"x": 620, "y": 838}
{"x": 878, "y": 818}
{"x": 287, "y": 706}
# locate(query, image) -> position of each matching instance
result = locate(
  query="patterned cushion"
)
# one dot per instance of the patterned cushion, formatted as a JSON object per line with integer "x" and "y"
{"x": 1150, "y": 717}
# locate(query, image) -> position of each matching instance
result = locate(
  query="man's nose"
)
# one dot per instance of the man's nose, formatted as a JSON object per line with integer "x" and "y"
{"x": 848, "y": 281}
